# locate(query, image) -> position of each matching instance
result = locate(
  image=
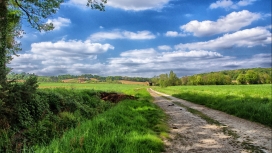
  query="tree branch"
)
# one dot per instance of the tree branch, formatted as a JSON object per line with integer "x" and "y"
{"x": 29, "y": 18}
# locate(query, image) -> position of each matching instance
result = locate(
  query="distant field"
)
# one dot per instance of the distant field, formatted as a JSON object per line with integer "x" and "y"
{"x": 133, "y": 82}
{"x": 252, "y": 102}
{"x": 93, "y": 86}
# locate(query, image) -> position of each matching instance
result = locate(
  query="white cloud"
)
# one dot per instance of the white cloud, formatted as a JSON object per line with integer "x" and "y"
{"x": 139, "y": 53}
{"x": 164, "y": 47}
{"x": 133, "y": 5}
{"x": 228, "y": 4}
{"x": 59, "y": 22}
{"x": 245, "y": 38}
{"x": 137, "y": 5}
{"x": 69, "y": 48}
{"x": 52, "y": 58}
{"x": 174, "y": 34}
{"x": 117, "y": 34}
{"x": 221, "y": 3}
{"x": 182, "y": 62}
{"x": 232, "y": 22}
{"x": 144, "y": 63}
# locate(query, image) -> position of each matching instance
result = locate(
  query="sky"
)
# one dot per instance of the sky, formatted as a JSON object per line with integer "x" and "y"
{"x": 142, "y": 38}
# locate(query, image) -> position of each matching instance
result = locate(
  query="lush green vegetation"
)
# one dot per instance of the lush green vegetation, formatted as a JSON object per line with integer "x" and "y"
{"x": 252, "y": 102}
{"x": 38, "y": 116}
{"x": 239, "y": 76}
{"x": 227, "y": 77}
{"x": 45, "y": 115}
{"x": 131, "y": 126}
{"x": 124, "y": 88}
{"x": 77, "y": 78}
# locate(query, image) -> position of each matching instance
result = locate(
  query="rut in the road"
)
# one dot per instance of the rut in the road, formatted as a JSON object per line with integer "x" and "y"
{"x": 190, "y": 133}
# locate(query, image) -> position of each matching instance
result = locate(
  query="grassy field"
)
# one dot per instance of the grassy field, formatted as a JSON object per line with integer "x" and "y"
{"x": 131, "y": 126}
{"x": 252, "y": 102}
{"x": 94, "y": 86}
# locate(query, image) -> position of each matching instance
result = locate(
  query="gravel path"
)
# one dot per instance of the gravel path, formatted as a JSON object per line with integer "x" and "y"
{"x": 190, "y": 133}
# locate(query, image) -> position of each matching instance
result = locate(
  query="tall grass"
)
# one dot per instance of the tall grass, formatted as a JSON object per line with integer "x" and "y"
{"x": 252, "y": 102}
{"x": 132, "y": 126}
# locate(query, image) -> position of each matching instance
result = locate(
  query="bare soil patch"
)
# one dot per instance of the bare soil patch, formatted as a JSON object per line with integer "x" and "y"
{"x": 114, "y": 97}
{"x": 191, "y": 133}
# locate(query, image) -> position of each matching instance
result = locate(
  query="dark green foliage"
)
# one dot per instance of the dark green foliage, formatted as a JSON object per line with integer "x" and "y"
{"x": 241, "y": 79}
{"x": 38, "y": 116}
{"x": 239, "y": 76}
{"x": 132, "y": 126}
{"x": 165, "y": 80}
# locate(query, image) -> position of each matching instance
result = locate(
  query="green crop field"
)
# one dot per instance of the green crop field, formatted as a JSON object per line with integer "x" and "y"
{"x": 94, "y": 86}
{"x": 252, "y": 102}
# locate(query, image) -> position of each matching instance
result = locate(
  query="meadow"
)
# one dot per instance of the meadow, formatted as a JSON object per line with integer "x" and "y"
{"x": 251, "y": 102}
{"x": 124, "y": 88}
{"x": 130, "y": 126}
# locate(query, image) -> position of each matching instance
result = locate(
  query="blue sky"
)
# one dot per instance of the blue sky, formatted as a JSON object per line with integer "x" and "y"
{"x": 147, "y": 38}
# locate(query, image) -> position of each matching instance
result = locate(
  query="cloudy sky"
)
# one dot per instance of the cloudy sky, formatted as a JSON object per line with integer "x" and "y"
{"x": 147, "y": 38}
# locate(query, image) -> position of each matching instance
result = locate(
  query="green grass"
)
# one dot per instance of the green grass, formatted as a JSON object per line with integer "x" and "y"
{"x": 252, "y": 102}
{"x": 132, "y": 126}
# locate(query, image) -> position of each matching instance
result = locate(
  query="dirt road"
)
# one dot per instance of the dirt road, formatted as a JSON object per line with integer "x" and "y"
{"x": 191, "y": 133}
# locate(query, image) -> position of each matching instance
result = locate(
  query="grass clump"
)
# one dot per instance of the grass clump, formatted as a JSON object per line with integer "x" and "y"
{"x": 131, "y": 126}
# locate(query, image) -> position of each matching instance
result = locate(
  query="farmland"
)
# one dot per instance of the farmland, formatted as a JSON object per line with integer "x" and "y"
{"x": 67, "y": 117}
{"x": 252, "y": 102}
{"x": 77, "y": 120}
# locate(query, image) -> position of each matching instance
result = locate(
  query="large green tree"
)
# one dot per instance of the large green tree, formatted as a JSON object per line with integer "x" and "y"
{"x": 35, "y": 12}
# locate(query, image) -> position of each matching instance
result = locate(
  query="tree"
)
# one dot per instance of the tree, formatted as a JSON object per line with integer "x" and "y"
{"x": 35, "y": 12}
{"x": 173, "y": 79}
{"x": 251, "y": 77}
{"x": 163, "y": 80}
{"x": 241, "y": 79}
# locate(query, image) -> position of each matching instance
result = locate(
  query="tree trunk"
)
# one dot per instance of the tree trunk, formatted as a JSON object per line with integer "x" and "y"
{"x": 3, "y": 41}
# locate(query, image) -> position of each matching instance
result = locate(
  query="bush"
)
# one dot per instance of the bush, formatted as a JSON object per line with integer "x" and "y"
{"x": 38, "y": 116}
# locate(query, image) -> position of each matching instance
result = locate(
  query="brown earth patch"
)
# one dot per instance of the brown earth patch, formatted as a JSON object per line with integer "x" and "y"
{"x": 114, "y": 97}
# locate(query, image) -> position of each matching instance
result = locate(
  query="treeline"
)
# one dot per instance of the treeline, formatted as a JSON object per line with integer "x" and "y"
{"x": 226, "y": 77}
{"x": 59, "y": 78}
{"x": 165, "y": 80}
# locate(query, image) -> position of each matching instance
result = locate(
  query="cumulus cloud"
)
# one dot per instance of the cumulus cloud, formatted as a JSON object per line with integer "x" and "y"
{"x": 53, "y": 58}
{"x": 164, "y": 47}
{"x": 133, "y": 5}
{"x": 228, "y": 4}
{"x": 244, "y": 38}
{"x": 139, "y": 53}
{"x": 69, "y": 48}
{"x": 137, "y": 5}
{"x": 182, "y": 62}
{"x": 117, "y": 34}
{"x": 142, "y": 62}
{"x": 232, "y": 22}
{"x": 174, "y": 34}
{"x": 59, "y": 22}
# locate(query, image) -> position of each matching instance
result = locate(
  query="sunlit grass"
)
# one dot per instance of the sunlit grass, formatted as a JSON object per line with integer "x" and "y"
{"x": 252, "y": 102}
{"x": 132, "y": 126}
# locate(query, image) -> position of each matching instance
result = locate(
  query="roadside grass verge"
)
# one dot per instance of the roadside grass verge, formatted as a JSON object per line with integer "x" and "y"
{"x": 47, "y": 115}
{"x": 131, "y": 126}
{"x": 251, "y": 102}
{"x": 246, "y": 144}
